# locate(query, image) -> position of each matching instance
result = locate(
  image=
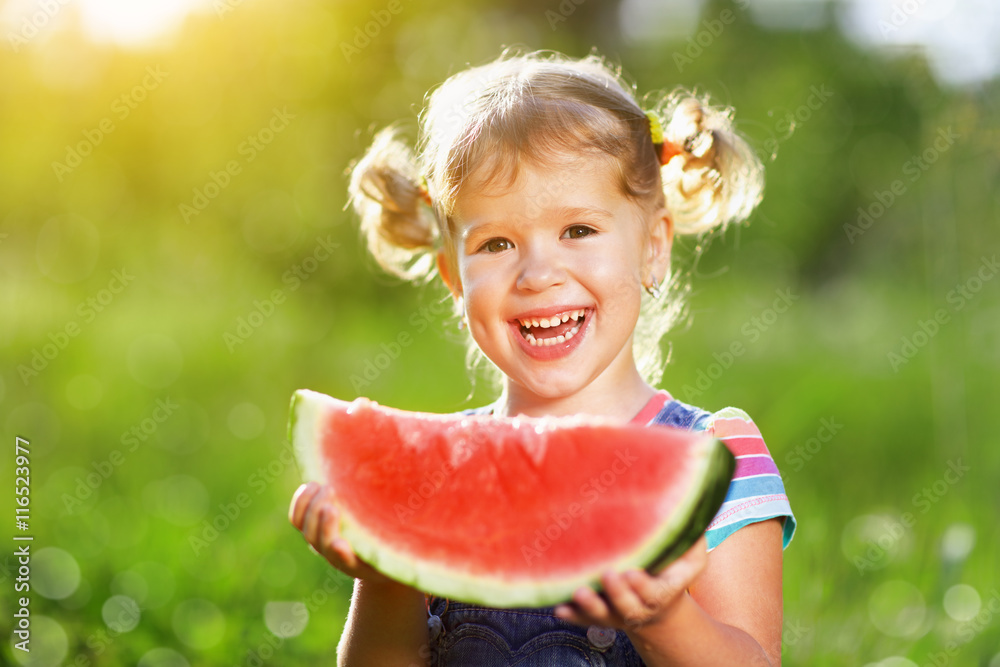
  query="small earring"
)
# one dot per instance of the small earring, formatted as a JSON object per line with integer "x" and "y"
{"x": 654, "y": 289}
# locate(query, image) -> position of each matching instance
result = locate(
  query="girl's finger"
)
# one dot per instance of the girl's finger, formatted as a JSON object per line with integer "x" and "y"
{"x": 624, "y": 600}
{"x": 330, "y": 539}
{"x": 300, "y": 501}
{"x": 568, "y": 613}
{"x": 648, "y": 590}
{"x": 677, "y": 577}
{"x": 311, "y": 523}
{"x": 591, "y": 605}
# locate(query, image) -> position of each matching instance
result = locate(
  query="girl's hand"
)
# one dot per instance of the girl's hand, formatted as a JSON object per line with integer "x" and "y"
{"x": 636, "y": 598}
{"x": 313, "y": 512}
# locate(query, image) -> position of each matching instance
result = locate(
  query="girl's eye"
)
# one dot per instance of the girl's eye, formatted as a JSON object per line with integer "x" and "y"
{"x": 578, "y": 232}
{"x": 496, "y": 245}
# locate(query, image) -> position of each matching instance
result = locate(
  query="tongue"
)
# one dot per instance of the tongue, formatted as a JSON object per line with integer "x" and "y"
{"x": 552, "y": 332}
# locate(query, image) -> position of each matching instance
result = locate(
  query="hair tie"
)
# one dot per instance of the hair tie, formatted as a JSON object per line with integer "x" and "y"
{"x": 665, "y": 150}
{"x": 424, "y": 192}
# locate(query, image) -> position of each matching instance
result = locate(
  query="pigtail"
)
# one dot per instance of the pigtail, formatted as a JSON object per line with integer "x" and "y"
{"x": 396, "y": 219}
{"x": 713, "y": 177}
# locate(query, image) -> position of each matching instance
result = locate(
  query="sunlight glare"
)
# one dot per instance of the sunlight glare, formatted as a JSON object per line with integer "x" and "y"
{"x": 130, "y": 23}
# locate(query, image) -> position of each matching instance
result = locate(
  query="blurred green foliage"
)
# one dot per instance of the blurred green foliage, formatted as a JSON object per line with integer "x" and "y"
{"x": 251, "y": 120}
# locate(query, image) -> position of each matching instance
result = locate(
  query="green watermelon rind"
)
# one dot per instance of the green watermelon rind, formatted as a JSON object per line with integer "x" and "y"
{"x": 714, "y": 470}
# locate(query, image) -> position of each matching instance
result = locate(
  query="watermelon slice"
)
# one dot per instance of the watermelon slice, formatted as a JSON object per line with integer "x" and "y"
{"x": 507, "y": 512}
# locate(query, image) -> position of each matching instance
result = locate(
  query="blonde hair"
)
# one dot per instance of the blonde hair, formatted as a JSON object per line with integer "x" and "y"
{"x": 486, "y": 119}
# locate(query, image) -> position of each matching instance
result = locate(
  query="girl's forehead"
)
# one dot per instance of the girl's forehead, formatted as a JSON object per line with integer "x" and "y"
{"x": 559, "y": 180}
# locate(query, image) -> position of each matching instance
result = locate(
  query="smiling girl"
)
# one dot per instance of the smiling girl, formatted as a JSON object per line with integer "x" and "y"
{"x": 547, "y": 200}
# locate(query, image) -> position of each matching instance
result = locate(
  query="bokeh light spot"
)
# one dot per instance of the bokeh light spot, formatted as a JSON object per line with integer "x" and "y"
{"x": 897, "y": 661}
{"x": 121, "y": 613}
{"x": 199, "y": 623}
{"x": 246, "y": 421}
{"x": 957, "y": 542}
{"x": 49, "y": 643}
{"x": 897, "y": 609}
{"x": 962, "y": 602}
{"x": 56, "y": 573}
{"x": 873, "y": 541}
{"x": 163, "y": 657}
{"x": 286, "y": 619}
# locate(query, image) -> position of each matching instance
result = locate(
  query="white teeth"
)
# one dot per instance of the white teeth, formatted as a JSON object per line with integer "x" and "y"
{"x": 546, "y": 323}
{"x": 555, "y": 340}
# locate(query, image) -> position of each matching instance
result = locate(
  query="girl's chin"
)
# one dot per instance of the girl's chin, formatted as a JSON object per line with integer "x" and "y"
{"x": 547, "y": 386}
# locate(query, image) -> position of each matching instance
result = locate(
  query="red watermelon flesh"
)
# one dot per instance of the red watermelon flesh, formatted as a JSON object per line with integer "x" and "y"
{"x": 507, "y": 511}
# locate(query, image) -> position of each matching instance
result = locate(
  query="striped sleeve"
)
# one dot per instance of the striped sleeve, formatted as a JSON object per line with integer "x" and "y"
{"x": 756, "y": 492}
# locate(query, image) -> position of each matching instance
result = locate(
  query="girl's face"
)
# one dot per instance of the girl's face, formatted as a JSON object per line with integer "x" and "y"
{"x": 551, "y": 270}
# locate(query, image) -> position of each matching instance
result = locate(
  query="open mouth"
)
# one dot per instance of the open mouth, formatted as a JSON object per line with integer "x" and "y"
{"x": 559, "y": 328}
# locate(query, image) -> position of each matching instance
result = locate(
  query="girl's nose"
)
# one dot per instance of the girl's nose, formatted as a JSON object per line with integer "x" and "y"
{"x": 540, "y": 270}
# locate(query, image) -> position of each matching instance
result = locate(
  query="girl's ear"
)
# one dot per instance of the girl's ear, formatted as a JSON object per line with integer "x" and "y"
{"x": 444, "y": 270}
{"x": 661, "y": 238}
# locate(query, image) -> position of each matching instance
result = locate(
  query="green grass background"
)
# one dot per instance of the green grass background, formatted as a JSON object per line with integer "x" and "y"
{"x": 164, "y": 336}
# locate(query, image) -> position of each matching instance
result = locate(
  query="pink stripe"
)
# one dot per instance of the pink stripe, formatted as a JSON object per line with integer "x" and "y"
{"x": 755, "y": 465}
{"x": 741, "y": 446}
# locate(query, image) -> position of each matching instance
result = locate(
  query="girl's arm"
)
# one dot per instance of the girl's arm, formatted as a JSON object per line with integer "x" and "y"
{"x": 386, "y": 627}
{"x": 729, "y": 614}
{"x": 387, "y": 623}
